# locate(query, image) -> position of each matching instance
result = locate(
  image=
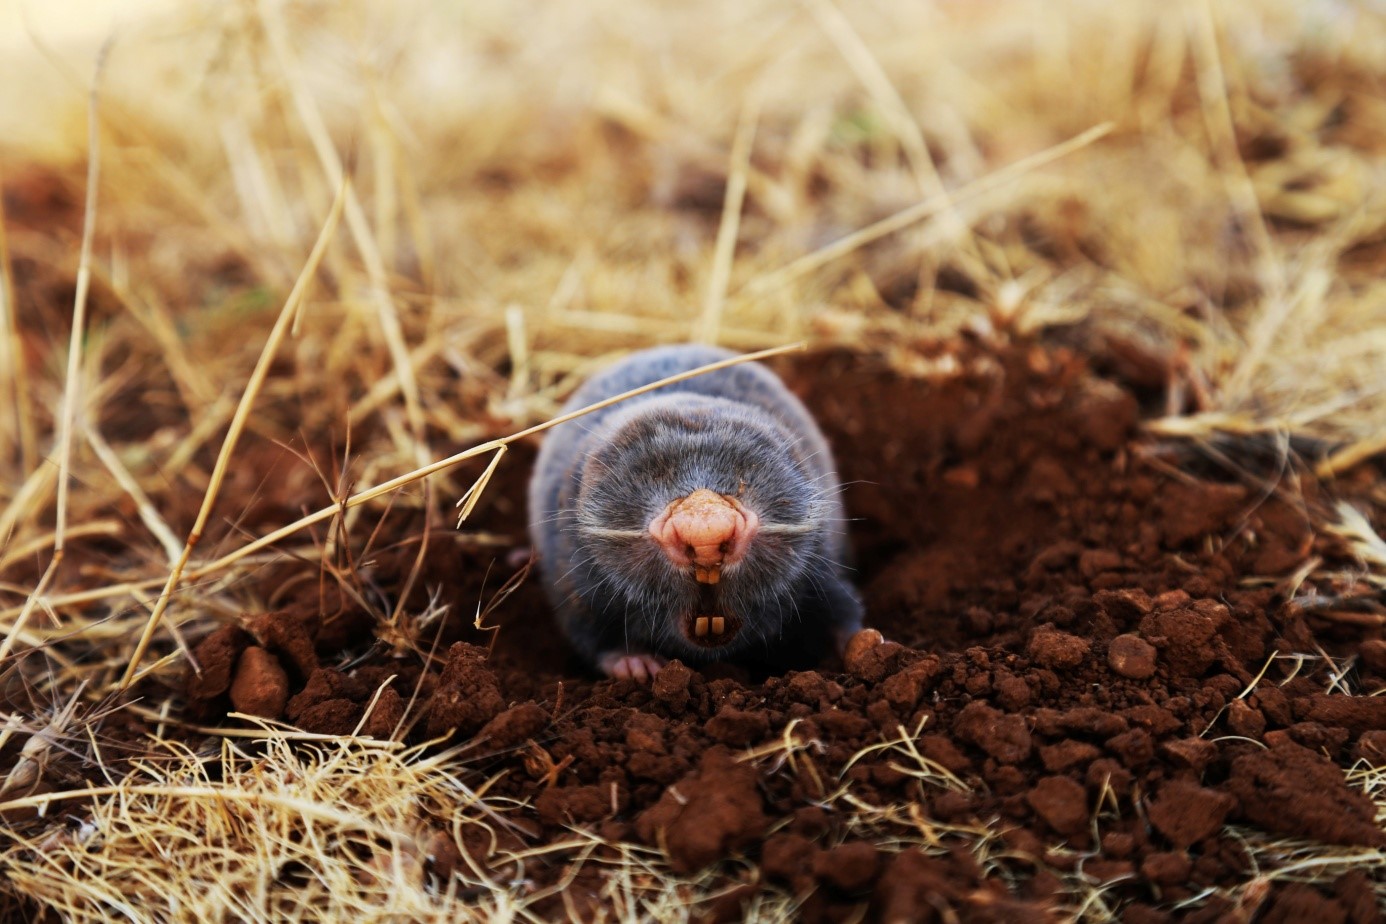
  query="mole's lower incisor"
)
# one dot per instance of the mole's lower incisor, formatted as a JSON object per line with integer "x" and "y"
{"x": 700, "y": 521}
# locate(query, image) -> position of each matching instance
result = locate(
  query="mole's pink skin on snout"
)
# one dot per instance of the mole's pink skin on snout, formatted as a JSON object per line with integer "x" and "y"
{"x": 705, "y": 531}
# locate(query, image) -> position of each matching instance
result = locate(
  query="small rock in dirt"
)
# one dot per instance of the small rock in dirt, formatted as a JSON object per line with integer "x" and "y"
{"x": 1139, "y": 913}
{"x": 905, "y": 688}
{"x": 261, "y": 687}
{"x": 1185, "y": 637}
{"x": 1066, "y": 754}
{"x": 1135, "y": 748}
{"x": 443, "y": 856}
{"x": 1154, "y": 719}
{"x": 384, "y": 716}
{"x": 708, "y": 814}
{"x": 216, "y": 656}
{"x": 812, "y": 688}
{"x": 1297, "y": 902}
{"x": 1106, "y": 870}
{"x": 1371, "y": 748}
{"x": 1355, "y": 713}
{"x": 738, "y": 727}
{"x": 1166, "y": 868}
{"x": 1003, "y": 736}
{"x": 1194, "y": 753}
{"x": 288, "y": 636}
{"x": 330, "y": 717}
{"x": 467, "y": 695}
{"x": 1291, "y": 790}
{"x": 1185, "y": 813}
{"x": 843, "y": 724}
{"x": 1131, "y": 656}
{"x": 1243, "y": 720}
{"x": 858, "y": 646}
{"x": 1084, "y": 720}
{"x": 670, "y": 685}
{"x": 1062, "y": 803}
{"x": 515, "y": 725}
{"x": 1057, "y": 650}
{"x": 1124, "y": 607}
{"x": 1012, "y": 693}
{"x": 1098, "y": 561}
{"x": 645, "y": 732}
{"x": 1108, "y": 773}
{"x": 942, "y": 751}
{"x": 1193, "y": 510}
{"x": 1372, "y": 655}
{"x": 1119, "y": 844}
{"x": 873, "y": 664}
{"x": 1105, "y": 414}
{"x": 915, "y": 885}
{"x": 849, "y": 867}
{"x": 1356, "y": 893}
{"x": 787, "y": 857}
{"x": 1274, "y": 704}
{"x": 324, "y": 684}
{"x": 1317, "y": 737}
{"x": 560, "y": 805}
{"x": 731, "y": 905}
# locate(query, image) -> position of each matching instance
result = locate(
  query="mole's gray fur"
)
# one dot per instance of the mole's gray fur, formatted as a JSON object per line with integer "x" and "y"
{"x": 600, "y": 479}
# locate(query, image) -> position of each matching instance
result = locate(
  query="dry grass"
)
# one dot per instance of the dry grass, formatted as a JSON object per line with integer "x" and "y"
{"x": 522, "y": 191}
{"x": 296, "y": 829}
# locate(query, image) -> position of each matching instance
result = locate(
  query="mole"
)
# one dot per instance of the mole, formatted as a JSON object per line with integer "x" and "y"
{"x": 701, "y": 521}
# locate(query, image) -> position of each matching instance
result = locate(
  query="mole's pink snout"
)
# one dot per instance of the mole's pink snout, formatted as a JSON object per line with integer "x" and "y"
{"x": 705, "y": 530}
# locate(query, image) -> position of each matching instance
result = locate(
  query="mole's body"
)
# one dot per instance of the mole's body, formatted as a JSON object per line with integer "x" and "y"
{"x": 700, "y": 521}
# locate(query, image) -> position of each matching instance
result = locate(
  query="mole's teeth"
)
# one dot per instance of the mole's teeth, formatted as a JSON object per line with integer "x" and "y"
{"x": 707, "y": 574}
{"x": 700, "y": 626}
{"x": 719, "y": 625}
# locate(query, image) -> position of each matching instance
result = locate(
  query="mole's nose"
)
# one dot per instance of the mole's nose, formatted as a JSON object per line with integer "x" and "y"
{"x": 705, "y": 530}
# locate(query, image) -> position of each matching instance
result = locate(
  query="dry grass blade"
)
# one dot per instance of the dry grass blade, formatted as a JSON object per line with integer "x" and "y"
{"x": 1364, "y": 541}
{"x": 14, "y": 382}
{"x": 724, "y": 250}
{"x": 468, "y": 501}
{"x": 270, "y": 16}
{"x": 72, "y": 384}
{"x": 149, "y": 514}
{"x": 1350, "y": 456}
{"x": 931, "y": 206}
{"x": 869, "y": 71}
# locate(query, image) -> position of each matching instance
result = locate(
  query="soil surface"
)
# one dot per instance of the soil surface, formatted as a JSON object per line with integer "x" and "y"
{"x": 1090, "y": 653}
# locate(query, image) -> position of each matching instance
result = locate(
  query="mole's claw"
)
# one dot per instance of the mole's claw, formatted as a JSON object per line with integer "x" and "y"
{"x": 639, "y": 667}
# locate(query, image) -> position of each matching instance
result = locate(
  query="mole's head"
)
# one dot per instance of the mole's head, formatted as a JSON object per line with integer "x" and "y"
{"x": 699, "y": 524}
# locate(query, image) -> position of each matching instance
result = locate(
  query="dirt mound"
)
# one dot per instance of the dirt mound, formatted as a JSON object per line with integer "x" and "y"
{"x": 1091, "y": 664}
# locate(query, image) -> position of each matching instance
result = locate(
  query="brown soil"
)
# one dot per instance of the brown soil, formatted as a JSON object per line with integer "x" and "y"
{"x": 1077, "y": 630}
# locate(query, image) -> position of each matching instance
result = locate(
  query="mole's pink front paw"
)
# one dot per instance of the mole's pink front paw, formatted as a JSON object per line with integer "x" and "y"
{"x": 641, "y": 667}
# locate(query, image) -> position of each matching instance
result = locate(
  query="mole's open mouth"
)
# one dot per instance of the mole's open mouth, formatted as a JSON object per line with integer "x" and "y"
{"x": 709, "y": 631}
